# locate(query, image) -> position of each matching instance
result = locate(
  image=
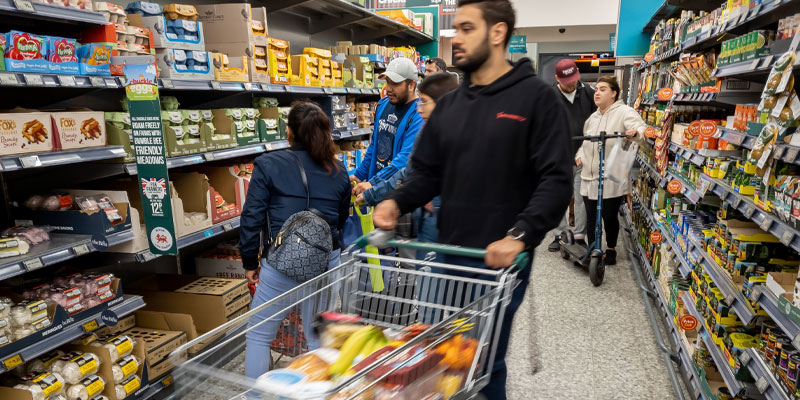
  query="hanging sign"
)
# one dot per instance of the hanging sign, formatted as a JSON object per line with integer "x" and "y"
{"x": 674, "y": 186}
{"x": 665, "y": 94}
{"x": 688, "y": 323}
{"x": 518, "y": 44}
{"x": 151, "y": 158}
{"x": 656, "y": 237}
{"x": 650, "y": 132}
{"x": 694, "y": 128}
{"x": 708, "y": 129}
{"x": 649, "y": 57}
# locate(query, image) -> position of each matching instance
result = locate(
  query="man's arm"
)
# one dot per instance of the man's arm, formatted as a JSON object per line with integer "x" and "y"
{"x": 382, "y": 190}
{"x": 549, "y": 154}
{"x": 400, "y": 159}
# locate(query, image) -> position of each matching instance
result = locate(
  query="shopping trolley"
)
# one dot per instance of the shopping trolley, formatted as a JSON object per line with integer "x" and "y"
{"x": 452, "y": 299}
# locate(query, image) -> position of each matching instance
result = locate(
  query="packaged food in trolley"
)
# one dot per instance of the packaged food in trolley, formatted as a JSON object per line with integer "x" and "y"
{"x": 430, "y": 332}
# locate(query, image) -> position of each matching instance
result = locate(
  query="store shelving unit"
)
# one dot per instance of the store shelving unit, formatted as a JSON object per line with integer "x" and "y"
{"x": 699, "y": 157}
{"x": 34, "y": 80}
{"x": 687, "y": 190}
{"x": 50, "y": 12}
{"x": 25, "y": 161}
{"x": 193, "y": 159}
{"x": 766, "y": 383}
{"x": 769, "y": 302}
{"x": 68, "y": 331}
{"x": 684, "y": 267}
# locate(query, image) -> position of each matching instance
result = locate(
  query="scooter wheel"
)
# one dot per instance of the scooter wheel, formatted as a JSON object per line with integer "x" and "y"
{"x": 568, "y": 237}
{"x": 597, "y": 270}
{"x": 564, "y": 253}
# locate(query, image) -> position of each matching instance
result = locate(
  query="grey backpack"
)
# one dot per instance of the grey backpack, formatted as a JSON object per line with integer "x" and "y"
{"x": 302, "y": 249}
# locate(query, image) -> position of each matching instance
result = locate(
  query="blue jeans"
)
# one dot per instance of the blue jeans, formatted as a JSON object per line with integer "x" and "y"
{"x": 496, "y": 389}
{"x": 271, "y": 284}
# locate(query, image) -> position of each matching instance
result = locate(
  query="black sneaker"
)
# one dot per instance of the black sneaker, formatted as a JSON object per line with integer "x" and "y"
{"x": 555, "y": 246}
{"x": 611, "y": 257}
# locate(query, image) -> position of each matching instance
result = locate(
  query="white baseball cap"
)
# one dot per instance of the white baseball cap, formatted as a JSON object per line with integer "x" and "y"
{"x": 399, "y": 70}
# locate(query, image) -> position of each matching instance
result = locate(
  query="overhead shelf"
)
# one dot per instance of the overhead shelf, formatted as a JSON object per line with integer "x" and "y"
{"x": 25, "y": 161}
{"x": 65, "y": 332}
{"x": 33, "y": 80}
{"x": 59, "y": 248}
{"x": 788, "y": 235}
{"x": 177, "y": 162}
{"x": 665, "y": 11}
{"x": 766, "y": 383}
{"x": 364, "y": 24}
{"x": 51, "y": 12}
{"x": 756, "y": 70}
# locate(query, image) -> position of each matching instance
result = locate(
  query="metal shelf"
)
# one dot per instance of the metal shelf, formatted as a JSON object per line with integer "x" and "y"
{"x": 193, "y": 238}
{"x": 59, "y": 248}
{"x": 787, "y": 153}
{"x": 738, "y": 138}
{"x": 44, "y": 11}
{"x": 174, "y": 84}
{"x": 734, "y": 385}
{"x": 151, "y": 389}
{"x": 684, "y": 267}
{"x": 661, "y": 57}
{"x": 665, "y": 11}
{"x": 756, "y": 70}
{"x": 364, "y": 25}
{"x": 339, "y": 135}
{"x": 183, "y": 161}
{"x": 34, "y": 80}
{"x": 25, "y": 161}
{"x": 766, "y": 382}
{"x": 788, "y": 235}
{"x": 69, "y": 330}
{"x": 688, "y": 154}
{"x": 769, "y": 302}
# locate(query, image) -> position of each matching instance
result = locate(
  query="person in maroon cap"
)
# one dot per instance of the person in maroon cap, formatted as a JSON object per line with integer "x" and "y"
{"x": 578, "y": 99}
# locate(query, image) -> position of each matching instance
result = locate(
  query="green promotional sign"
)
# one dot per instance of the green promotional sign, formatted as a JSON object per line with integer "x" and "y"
{"x": 151, "y": 158}
{"x": 518, "y": 44}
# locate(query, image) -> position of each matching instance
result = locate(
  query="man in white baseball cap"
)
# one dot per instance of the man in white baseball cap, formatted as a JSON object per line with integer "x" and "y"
{"x": 396, "y": 125}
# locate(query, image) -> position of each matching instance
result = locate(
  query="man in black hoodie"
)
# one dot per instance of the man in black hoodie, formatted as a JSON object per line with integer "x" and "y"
{"x": 497, "y": 151}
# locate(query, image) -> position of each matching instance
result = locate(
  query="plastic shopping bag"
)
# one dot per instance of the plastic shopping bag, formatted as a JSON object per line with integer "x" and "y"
{"x": 621, "y": 160}
{"x": 375, "y": 274}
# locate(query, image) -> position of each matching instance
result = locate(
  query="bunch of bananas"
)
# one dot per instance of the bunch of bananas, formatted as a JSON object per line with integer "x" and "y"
{"x": 363, "y": 342}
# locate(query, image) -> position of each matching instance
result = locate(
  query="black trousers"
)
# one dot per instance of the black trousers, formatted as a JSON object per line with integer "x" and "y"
{"x": 610, "y": 220}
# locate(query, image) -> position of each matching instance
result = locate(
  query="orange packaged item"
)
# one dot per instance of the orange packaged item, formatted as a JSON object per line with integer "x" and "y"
{"x": 180, "y": 11}
{"x": 312, "y": 365}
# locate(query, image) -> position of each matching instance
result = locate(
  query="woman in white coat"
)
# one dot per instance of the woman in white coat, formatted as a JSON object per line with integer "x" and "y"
{"x": 612, "y": 116}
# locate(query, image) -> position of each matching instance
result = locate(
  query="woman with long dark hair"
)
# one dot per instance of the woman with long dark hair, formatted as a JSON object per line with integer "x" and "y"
{"x": 277, "y": 192}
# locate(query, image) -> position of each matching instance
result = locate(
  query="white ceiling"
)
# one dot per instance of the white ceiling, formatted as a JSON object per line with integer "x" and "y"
{"x": 572, "y": 33}
{"x": 539, "y": 13}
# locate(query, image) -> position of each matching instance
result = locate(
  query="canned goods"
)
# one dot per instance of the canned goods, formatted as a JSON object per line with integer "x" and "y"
{"x": 792, "y": 369}
{"x": 786, "y": 352}
{"x": 724, "y": 394}
{"x": 779, "y": 344}
{"x": 769, "y": 352}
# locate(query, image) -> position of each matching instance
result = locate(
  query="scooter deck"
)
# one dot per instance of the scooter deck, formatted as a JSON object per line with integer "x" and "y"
{"x": 577, "y": 251}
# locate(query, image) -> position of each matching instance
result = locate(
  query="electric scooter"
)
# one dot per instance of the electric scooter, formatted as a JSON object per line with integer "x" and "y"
{"x": 591, "y": 256}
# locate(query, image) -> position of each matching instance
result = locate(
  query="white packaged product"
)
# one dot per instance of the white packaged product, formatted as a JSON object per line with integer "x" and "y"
{"x": 43, "y": 385}
{"x": 89, "y": 387}
{"x": 117, "y": 346}
{"x": 5, "y": 309}
{"x": 124, "y": 368}
{"x": 28, "y": 312}
{"x": 58, "y": 365}
{"x": 80, "y": 367}
{"x": 127, "y": 388}
{"x": 44, "y": 362}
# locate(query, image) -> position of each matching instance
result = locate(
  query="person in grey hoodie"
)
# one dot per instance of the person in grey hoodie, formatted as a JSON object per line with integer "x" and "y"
{"x": 612, "y": 115}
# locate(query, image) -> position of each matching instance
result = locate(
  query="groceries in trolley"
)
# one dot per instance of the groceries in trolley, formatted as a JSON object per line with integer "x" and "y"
{"x": 412, "y": 363}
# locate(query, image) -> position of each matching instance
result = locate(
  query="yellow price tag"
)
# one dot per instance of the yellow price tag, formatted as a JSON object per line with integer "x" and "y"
{"x": 13, "y": 362}
{"x": 90, "y": 326}
{"x": 167, "y": 381}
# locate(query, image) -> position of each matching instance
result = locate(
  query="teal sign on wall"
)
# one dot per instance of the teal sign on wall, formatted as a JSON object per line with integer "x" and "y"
{"x": 518, "y": 44}
{"x": 633, "y": 16}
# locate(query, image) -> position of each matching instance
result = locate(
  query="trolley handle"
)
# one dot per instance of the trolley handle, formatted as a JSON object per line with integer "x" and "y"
{"x": 602, "y": 135}
{"x": 381, "y": 239}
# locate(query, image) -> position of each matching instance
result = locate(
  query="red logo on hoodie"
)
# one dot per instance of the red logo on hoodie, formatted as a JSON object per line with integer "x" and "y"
{"x": 515, "y": 117}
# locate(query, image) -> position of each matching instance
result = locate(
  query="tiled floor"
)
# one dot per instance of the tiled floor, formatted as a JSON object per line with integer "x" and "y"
{"x": 584, "y": 342}
{"x": 588, "y": 342}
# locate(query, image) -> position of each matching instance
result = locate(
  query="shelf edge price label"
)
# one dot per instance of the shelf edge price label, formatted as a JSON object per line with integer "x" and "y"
{"x": 81, "y": 249}
{"x": 90, "y": 326}
{"x": 208, "y": 233}
{"x": 9, "y": 78}
{"x": 97, "y": 81}
{"x": 167, "y": 381}
{"x": 167, "y": 84}
{"x": 791, "y": 154}
{"x": 749, "y": 212}
{"x": 650, "y": 132}
{"x": 66, "y": 80}
{"x": 656, "y": 237}
{"x": 33, "y": 79}
{"x": 766, "y": 224}
{"x": 787, "y": 237}
{"x": 688, "y": 323}
{"x": 30, "y": 161}
{"x": 227, "y": 227}
{"x": 744, "y": 358}
{"x": 24, "y": 5}
{"x": 762, "y": 385}
{"x": 12, "y": 362}
{"x": 33, "y": 264}
{"x": 665, "y": 94}
{"x": 209, "y": 156}
{"x": 248, "y": 86}
{"x": 736, "y": 202}
{"x": 674, "y": 186}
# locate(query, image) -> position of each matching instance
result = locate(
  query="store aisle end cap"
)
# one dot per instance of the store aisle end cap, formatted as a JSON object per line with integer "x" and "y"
{"x": 399, "y": 70}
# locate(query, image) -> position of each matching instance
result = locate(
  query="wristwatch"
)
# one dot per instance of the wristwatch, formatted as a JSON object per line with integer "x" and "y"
{"x": 516, "y": 233}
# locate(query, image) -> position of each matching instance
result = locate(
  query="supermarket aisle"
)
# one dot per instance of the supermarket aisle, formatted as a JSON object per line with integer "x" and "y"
{"x": 593, "y": 343}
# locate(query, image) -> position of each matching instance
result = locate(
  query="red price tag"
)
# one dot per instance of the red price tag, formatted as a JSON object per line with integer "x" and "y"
{"x": 656, "y": 237}
{"x": 674, "y": 186}
{"x": 688, "y": 323}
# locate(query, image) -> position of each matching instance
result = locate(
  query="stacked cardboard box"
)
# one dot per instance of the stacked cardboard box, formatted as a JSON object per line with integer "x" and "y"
{"x": 237, "y": 35}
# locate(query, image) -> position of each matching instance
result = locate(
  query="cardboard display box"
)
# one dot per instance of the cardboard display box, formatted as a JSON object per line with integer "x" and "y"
{"x": 237, "y": 122}
{"x": 78, "y": 221}
{"x": 158, "y": 344}
{"x": 181, "y": 64}
{"x": 139, "y": 242}
{"x": 163, "y": 30}
{"x": 230, "y": 69}
{"x": 78, "y": 129}
{"x": 183, "y": 136}
{"x": 255, "y": 58}
{"x": 24, "y": 131}
{"x": 280, "y": 61}
{"x": 210, "y": 301}
{"x": 189, "y": 195}
{"x": 226, "y": 192}
{"x": 233, "y": 23}
{"x": 218, "y": 265}
{"x": 118, "y": 133}
{"x": 106, "y": 362}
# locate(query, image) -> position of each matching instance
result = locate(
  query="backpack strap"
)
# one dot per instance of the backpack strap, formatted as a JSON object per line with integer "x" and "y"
{"x": 303, "y": 177}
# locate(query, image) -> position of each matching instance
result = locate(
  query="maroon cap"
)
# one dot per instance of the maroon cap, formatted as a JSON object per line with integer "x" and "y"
{"x": 567, "y": 72}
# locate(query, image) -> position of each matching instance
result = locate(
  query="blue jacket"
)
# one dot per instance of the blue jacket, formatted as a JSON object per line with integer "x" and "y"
{"x": 277, "y": 190}
{"x": 403, "y": 143}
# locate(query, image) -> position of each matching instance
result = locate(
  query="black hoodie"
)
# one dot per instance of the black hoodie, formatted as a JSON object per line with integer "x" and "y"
{"x": 499, "y": 155}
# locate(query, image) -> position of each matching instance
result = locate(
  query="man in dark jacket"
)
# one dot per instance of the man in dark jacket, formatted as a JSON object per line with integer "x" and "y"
{"x": 496, "y": 152}
{"x": 578, "y": 98}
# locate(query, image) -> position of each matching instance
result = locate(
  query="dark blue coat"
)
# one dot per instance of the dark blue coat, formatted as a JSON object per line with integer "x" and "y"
{"x": 276, "y": 188}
